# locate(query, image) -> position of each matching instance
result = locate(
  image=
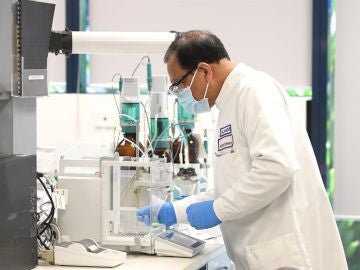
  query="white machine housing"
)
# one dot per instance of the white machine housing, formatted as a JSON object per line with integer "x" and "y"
{"x": 131, "y": 88}
{"x": 87, "y": 253}
{"x": 159, "y": 97}
{"x": 81, "y": 217}
{"x": 177, "y": 244}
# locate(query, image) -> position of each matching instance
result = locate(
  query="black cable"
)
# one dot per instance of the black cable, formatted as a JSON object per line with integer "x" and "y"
{"x": 49, "y": 218}
{"x": 46, "y": 222}
{"x": 45, "y": 225}
{"x": 42, "y": 243}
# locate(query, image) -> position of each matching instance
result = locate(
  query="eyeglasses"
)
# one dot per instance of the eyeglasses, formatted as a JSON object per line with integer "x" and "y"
{"x": 177, "y": 86}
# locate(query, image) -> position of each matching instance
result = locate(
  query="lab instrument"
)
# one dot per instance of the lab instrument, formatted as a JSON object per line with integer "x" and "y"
{"x": 174, "y": 243}
{"x": 87, "y": 252}
{"x": 129, "y": 184}
{"x": 159, "y": 117}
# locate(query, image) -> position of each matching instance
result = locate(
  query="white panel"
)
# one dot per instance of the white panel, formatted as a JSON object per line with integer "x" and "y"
{"x": 57, "y": 119}
{"x": 347, "y": 109}
{"x": 274, "y": 36}
{"x": 73, "y": 126}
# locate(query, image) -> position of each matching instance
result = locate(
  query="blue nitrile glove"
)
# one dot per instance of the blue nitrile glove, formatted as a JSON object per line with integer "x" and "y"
{"x": 143, "y": 215}
{"x": 202, "y": 216}
{"x": 166, "y": 214}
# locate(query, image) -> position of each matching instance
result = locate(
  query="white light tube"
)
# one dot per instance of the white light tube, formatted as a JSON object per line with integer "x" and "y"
{"x": 120, "y": 42}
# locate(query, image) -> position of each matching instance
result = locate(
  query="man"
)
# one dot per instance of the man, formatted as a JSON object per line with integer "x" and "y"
{"x": 269, "y": 198}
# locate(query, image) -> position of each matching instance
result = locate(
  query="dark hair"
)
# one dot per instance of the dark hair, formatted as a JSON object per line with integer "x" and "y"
{"x": 195, "y": 46}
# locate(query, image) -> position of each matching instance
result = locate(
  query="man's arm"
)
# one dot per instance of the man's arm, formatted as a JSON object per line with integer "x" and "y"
{"x": 181, "y": 205}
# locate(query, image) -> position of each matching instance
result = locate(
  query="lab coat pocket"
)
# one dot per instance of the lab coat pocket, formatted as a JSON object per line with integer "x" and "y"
{"x": 286, "y": 252}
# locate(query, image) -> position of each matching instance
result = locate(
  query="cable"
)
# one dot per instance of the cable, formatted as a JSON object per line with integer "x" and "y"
{"x": 128, "y": 116}
{"x": 148, "y": 123}
{"x": 147, "y": 116}
{"x": 134, "y": 144}
{"x": 140, "y": 63}
{"x": 116, "y": 142}
{"x": 43, "y": 215}
{"x": 187, "y": 161}
{"x": 162, "y": 133}
{"x": 150, "y": 146}
{"x": 170, "y": 126}
{"x": 148, "y": 71}
{"x": 56, "y": 229}
{"x": 181, "y": 152}
{"x": 49, "y": 218}
{"x": 47, "y": 232}
{"x": 113, "y": 89}
{"x": 155, "y": 132}
{"x": 177, "y": 152}
{"x": 126, "y": 189}
{"x": 118, "y": 138}
{"x": 42, "y": 243}
{"x": 51, "y": 215}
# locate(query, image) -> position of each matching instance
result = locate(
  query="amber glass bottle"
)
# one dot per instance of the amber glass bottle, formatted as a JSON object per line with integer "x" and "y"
{"x": 127, "y": 149}
{"x": 193, "y": 148}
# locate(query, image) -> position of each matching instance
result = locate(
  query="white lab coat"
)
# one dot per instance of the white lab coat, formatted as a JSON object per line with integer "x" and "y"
{"x": 269, "y": 193}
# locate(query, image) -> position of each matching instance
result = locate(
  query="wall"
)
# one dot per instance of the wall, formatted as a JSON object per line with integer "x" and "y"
{"x": 274, "y": 36}
{"x": 347, "y": 110}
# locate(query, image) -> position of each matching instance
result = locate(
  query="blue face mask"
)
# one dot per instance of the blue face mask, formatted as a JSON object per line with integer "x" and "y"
{"x": 190, "y": 104}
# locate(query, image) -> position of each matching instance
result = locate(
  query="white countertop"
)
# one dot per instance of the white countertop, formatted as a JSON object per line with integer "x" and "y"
{"x": 149, "y": 262}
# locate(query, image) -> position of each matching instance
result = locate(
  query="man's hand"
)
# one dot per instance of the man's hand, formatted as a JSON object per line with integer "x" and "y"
{"x": 202, "y": 216}
{"x": 165, "y": 215}
{"x": 143, "y": 214}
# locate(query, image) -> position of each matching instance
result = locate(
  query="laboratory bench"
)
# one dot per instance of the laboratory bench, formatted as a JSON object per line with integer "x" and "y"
{"x": 212, "y": 257}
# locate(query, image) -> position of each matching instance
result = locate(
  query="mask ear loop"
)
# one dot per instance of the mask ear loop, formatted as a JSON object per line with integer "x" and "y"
{"x": 193, "y": 78}
{"x": 206, "y": 90}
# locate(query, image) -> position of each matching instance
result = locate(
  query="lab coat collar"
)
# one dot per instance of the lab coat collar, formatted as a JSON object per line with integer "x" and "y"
{"x": 225, "y": 91}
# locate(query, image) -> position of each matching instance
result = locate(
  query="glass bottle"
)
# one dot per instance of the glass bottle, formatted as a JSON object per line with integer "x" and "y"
{"x": 127, "y": 147}
{"x": 193, "y": 148}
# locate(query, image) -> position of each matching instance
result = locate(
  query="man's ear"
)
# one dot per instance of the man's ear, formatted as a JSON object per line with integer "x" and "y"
{"x": 206, "y": 68}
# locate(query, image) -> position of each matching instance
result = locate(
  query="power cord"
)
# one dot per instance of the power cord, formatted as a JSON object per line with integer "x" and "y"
{"x": 45, "y": 225}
